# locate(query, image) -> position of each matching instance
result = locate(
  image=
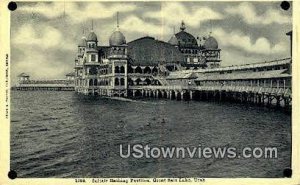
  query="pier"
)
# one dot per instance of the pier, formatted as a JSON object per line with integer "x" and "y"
{"x": 25, "y": 84}
{"x": 266, "y": 84}
{"x": 280, "y": 97}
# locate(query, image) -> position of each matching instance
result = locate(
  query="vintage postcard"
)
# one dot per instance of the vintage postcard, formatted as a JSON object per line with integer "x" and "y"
{"x": 140, "y": 92}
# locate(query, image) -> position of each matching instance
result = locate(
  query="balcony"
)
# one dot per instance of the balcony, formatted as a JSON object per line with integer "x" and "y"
{"x": 91, "y": 64}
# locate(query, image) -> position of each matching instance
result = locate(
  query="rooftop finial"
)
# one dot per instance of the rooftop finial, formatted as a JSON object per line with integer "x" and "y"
{"x": 117, "y": 19}
{"x": 182, "y": 27}
{"x": 210, "y": 27}
{"x": 92, "y": 24}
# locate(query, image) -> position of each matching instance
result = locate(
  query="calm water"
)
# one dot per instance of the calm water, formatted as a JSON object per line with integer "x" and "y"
{"x": 59, "y": 134}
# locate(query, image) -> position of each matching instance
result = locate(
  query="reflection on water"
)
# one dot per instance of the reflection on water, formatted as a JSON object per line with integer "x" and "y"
{"x": 59, "y": 134}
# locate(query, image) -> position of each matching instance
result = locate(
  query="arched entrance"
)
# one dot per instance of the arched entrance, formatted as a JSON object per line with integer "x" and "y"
{"x": 147, "y": 70}
{"x": 137, "y": 93}
{"x": 138, "y": 69}
{"x": 178, "y": 96}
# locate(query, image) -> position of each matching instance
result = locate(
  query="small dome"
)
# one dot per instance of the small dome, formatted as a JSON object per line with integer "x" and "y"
{"x": 92, "y": 37}
{"x": 210, "y": 43}
{"x": 82, "y": 42}
{"x": 117, "y": 39}
{"x": 23, "y": 75}
{"x": 173, "y": 41}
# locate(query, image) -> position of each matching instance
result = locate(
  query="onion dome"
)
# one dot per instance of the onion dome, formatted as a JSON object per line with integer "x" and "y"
{"x": 173, "y": 41}
{"x": 210, "y": 43}
{"x": 92, "y": 37}
{"x": 186, "y": 40}
{"x": 82, "y": 42}
{"x": 117, "y": 38}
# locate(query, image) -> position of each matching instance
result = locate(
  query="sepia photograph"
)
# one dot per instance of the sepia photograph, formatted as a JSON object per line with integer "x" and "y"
{"x": 171, "y": 90}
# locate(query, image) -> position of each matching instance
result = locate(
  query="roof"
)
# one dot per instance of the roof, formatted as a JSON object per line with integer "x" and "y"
{"x": 246, "y": 75}
{"x": 284, "y": 61}
{"x": 186, "y": 40}
{"x": 229, "y": 76}
{"x": 210, "y": 43}
{"x": 148, "y": 51}
{"x": 179, "y": 75}
{"x": 173, "y": 41}
{"x": 82, "y": 42}
{"x": 23, "y": 75}
{"x": 117, "y": 38}
{"x": 92, "y": 36}
{"x": 71, "y": 74}
{"x": 289, "y": 33}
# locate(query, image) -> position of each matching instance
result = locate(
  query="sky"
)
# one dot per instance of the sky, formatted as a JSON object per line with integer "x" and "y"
{"x": 45, "y": 35}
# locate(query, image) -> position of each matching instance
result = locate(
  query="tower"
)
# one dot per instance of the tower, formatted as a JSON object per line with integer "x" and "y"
{"x": 87, "y": 65}
{"x": 187, "y": 45}
{"x": 82, "y": 45}
{"x": 210, "y": 52}
{"x": 118, "y": 60}
{"x": 79, "y": 60}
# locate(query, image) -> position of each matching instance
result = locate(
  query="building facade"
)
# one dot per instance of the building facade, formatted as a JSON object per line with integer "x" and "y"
{"x": 110, "y": 70}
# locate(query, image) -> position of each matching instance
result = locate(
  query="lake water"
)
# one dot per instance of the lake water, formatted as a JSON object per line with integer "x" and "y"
{"x": 61, "y": 134}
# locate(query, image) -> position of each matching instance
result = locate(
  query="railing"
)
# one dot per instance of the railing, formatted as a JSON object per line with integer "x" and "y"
{"x": 91, "y": 63}
{"x": 46, "y": 85}
{"x": 38, "y": 82}
{"x": 246, "y": 66}
{"x": 140, "y": 75}
{"x": 273, "y": 91}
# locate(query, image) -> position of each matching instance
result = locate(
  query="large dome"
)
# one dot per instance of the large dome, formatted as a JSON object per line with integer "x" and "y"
{"x": 211, "y": 43}
{"x": 186, "y": 40}
{"x": 82, "y": 42}
{"x": 92, "y": 37}
{"x": 117, "y": 39}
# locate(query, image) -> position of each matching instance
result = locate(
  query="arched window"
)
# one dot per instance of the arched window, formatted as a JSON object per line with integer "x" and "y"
{"x": 130, "y": 81}
{"x": 95, "y": 82}
{"x": 147, "y": 81}
{"x": 93, "y": 58}
{"x": 122, "y": 69}
{"x": 138, "y": 81}
{"x": 91, "y": 82}
{"x": 117, "y": 81}
{"x": 117, "y": 70}
{"x": 122, "y": 81}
